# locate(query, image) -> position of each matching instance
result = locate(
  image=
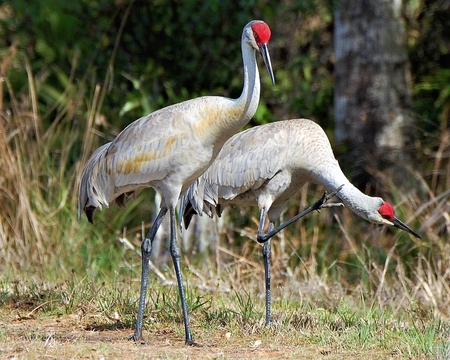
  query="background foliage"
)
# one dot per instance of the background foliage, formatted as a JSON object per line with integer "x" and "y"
{"x": 75, "y": 73}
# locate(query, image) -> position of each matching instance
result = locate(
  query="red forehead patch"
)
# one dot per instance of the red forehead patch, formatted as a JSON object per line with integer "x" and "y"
{"x": 387, "y": 211}
{"x": 261, "y": 31}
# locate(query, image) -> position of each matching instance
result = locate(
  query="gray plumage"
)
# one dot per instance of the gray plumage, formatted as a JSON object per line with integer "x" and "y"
{"x": 168, "y": 149}
{"x": 265, "y": 166}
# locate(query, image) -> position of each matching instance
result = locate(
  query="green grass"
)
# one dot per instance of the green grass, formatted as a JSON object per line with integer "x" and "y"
{"x": 349, "y": 326}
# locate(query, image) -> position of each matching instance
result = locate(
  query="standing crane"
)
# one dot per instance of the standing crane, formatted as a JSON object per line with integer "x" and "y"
{"x": 265, "y": 166}
{"x": 167, "y": 150}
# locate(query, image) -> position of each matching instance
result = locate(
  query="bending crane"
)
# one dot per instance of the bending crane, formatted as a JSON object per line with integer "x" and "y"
{"x": 265, "y": 166}
{"x": 167, "y": 150}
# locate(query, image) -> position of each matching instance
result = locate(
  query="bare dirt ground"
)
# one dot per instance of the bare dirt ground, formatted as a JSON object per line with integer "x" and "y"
{"x": 69, "y": 338}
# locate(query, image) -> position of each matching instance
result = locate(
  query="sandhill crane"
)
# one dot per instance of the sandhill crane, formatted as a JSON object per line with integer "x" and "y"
{"x": 265, "y": 166}
{"x": 167, "y": 150}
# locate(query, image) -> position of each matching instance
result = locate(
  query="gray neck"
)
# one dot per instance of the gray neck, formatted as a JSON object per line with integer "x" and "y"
{"x": 249, "y": 98}
{"x": 360, "y": 203}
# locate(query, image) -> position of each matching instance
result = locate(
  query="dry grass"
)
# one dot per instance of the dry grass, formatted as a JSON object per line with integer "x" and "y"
{"x": 39, "y": 154}
{"x": 85, "y": 318}
{"x": 339, "y": 284}
{"x": 52, "y": 339}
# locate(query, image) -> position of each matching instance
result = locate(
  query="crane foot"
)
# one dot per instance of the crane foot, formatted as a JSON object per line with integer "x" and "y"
{"x": 136, "y": 338}
{"x": 330, "y": 205}
{"x": 193, "y": 343}
{"x": 320, "y": 204}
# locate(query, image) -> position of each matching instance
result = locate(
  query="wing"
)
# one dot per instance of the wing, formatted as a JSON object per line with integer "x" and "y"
{"x": 247, "y": 161}
{"x": 175, "y": 140}
{"x": 142, "y": 152}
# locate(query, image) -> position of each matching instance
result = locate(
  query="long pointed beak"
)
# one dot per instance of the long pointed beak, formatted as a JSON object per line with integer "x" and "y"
{"x": 264, "y": 50}
{"x": 403, "y": 226}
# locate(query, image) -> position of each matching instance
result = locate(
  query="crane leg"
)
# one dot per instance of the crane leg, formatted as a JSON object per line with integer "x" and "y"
{"x": 319, "y": 204}
{"x": 267, "y": 254}
{"x": 175, "y": 252}
{"x": 146, "y": 249}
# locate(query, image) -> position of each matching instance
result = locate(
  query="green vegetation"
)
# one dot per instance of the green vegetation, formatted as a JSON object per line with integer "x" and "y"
{"x": 345, "y": 326}
{"x": 73, "y": 75}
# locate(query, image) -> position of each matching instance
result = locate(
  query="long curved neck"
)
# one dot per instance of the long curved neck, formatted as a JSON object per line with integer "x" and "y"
{"x": 238, "y": 112}
{"x": 243, "y": 108}
{"x": 249, "y": 98}
{"x": 351, "y": 196}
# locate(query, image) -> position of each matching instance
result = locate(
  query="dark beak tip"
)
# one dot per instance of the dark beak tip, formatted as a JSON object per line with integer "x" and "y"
{"x": 266, "y": 57}
{"x": 401, "y": 225}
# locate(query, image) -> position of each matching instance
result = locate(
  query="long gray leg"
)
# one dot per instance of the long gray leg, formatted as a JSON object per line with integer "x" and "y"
{"x": 267, "y": 253}
{"x": 175, "y": 252}
{"x": 146, "y": 249}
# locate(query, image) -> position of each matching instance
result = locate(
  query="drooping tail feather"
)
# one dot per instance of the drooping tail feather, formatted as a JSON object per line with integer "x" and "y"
{"x": 95, "y": 189}
{"x": 201, "y": 197}
{"x": 89, "y": 214}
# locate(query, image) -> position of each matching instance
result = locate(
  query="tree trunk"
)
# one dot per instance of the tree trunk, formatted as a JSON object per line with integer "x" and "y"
{"x": 373, "y": 88}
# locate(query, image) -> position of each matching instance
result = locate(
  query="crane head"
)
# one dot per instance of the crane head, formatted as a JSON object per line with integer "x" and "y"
{"x": 261, "y": 32}
{"x": 257, "y": 33}
{"x": 386, "y": 211}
